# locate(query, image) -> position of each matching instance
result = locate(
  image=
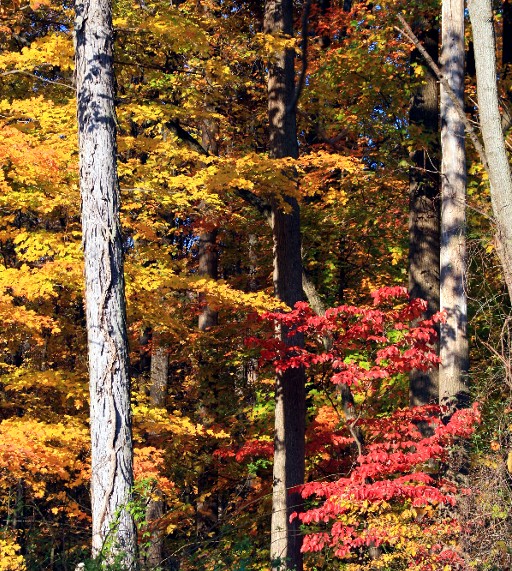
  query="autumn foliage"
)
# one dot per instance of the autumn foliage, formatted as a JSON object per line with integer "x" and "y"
{"x": 383, "y": 485}
{"x": 393, "y": 497}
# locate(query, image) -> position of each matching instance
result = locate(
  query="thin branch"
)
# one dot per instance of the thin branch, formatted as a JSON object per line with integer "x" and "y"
{"x": 409, "y": 34}
{"x": 261, "y": 205}
{"x": 22, "y": 72}
{"x": 186, "y": 137}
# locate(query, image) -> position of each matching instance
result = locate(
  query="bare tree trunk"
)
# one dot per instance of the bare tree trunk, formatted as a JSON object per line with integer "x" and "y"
{"x": 208, "y": 252}
{"x": 290, "y": 392}
{"x": 111, "y": 440}
{"x": 157, "y": 397}
{"x": 424, "y": 209}
{"x": 208, "y": 267}
{"x": 453, "y": 383}
{"x": 207, "y": 508}
{"x": 500, "y": 176}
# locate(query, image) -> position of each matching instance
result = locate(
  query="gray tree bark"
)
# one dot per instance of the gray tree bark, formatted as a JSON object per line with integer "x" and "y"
{"x": 113, "y": 527}
{"x": 290, "y": 392}
{"x": 499, "y": 171}
{"x": 424, "y": 208}
{"x": 453, "y": 382}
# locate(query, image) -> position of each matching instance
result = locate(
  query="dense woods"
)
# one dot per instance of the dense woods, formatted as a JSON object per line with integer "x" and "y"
{"x": 255, "y": 285}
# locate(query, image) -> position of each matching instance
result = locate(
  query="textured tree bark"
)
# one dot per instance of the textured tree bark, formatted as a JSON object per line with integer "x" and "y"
{"x": 290, "y": 393}
{"x": 453, "y": 382}
{"x": 159, "y": 374}
{"x": 424, "y": 208}
{"x": 113, "y": 527}
{"x": 500, "y": 176}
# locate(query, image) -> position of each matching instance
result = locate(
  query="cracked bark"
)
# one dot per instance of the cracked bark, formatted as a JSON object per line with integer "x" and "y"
{"x": 111, "y": 441}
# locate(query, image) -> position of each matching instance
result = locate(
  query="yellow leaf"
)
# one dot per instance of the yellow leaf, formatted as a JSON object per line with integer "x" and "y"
{"x": 36, "y": 4}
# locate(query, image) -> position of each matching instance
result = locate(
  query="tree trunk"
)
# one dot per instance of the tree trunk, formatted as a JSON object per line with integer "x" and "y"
{"x": 453, "y": 383}
{"x": 208, "y": 268}
{"x": 157, "y": 397}
{"x": 424, "y": 208}
{"x": 500, "y": 176}
{"x": 207, "y": 508}
{"x": 113, "y": 527}
{"x": 290, "y": 395}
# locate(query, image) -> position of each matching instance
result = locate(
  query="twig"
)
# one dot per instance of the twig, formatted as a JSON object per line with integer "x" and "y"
{"x": 22, "y": 72}
{"x": 302, "y": 77}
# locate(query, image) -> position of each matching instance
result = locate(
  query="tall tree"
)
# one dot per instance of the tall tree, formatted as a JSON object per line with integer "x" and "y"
{"x": 498, "y": 165}
{"x": 110, "y": 420}
{"x": 424, "y": 204}
{"x": 453, "y": 388}
{"x": 290, "y": 386}
{"x": 158, "y": 381}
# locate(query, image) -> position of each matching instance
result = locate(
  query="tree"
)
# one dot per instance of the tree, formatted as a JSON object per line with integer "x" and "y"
{"x": 158, "y": 381}
{"x": 453, "y": 388}
{"x": 111, "y": 440}
{"x": 498, "y": 164}
{"x": 424, "y": 205}
{"x": 289, "y": 436}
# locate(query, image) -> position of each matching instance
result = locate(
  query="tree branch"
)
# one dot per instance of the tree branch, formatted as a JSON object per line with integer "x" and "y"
{"x": 300, "y": 84}
{"x": 22, "y": 72}
{"x": 409, "y": 34}
{"x": 186, "y": 137}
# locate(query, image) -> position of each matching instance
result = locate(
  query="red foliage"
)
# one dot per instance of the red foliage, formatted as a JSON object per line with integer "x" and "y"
{"x": 386, "y": 335}
{"x": 366, "y": 345}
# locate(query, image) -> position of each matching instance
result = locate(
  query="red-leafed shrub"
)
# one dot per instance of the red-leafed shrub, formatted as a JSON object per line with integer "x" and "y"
{"x": 390, "y": 509}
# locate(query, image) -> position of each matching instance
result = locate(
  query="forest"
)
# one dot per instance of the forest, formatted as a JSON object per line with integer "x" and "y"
{"x": 255, "y": 285}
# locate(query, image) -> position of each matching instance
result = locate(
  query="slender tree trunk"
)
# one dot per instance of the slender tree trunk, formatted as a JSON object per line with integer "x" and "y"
{"x": 207, "y": 508}
{"x": 159, "y": 374}
{"x": 500, "y": 176}
{"x": 290, "y": 386}
{"x": 111, "y": 440}
{"x": 208, "y": 253}
{"x": 453, "y": 383}
{"x": 424, "y": 208}
{"x": 208, "y": 267}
